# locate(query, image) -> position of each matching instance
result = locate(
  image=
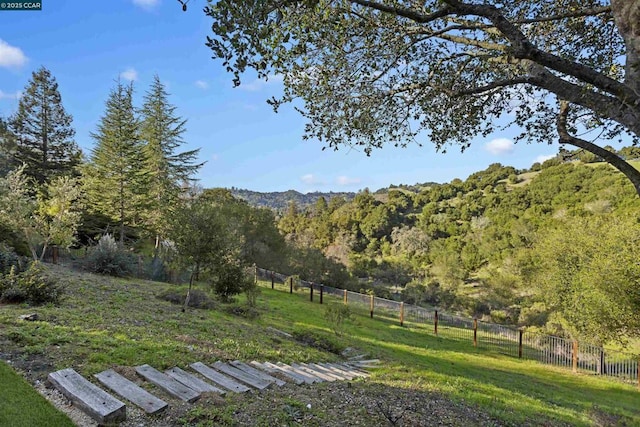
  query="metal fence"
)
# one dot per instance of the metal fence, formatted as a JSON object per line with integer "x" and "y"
{"x": 546, "y": 349}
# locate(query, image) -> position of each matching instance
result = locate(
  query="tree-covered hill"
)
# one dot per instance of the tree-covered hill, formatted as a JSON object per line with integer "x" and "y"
{"x": 279, "y": 200}
{"x": 488, "y": 246}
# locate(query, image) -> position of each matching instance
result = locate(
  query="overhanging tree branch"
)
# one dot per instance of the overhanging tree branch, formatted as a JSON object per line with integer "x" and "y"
{"x": 617, "y": 162}
{"x": 411, "y": 14}
{"x": 523, "y": 48}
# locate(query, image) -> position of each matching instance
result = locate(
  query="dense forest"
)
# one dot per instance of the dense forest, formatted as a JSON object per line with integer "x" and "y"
{"x": 553, "y": 247}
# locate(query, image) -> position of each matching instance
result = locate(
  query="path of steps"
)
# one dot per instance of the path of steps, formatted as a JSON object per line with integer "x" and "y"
{"x": 220, "y": 378}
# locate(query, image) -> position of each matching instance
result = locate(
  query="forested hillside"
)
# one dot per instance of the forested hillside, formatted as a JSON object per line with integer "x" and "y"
{"x": 552, "y": 247}
{"x": 279, "y": 200}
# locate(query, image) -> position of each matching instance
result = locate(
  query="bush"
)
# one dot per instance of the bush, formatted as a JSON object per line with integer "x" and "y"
{"x": 242, "y": 311}
{"x": 251, "y": 291}
{"x": 33, "y": 286}
{"x": 9, "y": 259}
{"x": 317, "y": 340}
{"x": 229, "y": 279}
{"x": 336, "y": 314}
{"x": 107, "y": 257}
{"x": 197, "y": 298}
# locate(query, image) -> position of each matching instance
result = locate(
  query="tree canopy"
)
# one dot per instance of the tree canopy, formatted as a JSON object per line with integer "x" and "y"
{"x": 376, "y": 72}
{"x": 41, "y": 131}
{"x": 115, "y": 179}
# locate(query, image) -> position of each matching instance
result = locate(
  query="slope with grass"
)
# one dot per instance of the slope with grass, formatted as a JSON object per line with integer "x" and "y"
{"x": 22, "y": 406}
{"x": 425, "y": 380}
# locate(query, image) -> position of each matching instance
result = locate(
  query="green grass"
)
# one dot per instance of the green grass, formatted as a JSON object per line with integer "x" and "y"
{"x": 509, "y": 388}
{"x": 106, "y": 322}
{"x": 22, "y": 406}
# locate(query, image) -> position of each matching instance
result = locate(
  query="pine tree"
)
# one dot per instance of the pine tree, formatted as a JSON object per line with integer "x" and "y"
{"x": 115, "y": 178}
{"x": 168, "y": 170}
{"x": 42, "y": 131}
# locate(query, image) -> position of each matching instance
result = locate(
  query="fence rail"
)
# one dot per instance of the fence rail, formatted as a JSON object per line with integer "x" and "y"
{"x": 546, "y": 349}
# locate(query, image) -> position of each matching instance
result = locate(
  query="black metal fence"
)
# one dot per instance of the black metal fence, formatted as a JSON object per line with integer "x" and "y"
{"x": 546, "y": 349}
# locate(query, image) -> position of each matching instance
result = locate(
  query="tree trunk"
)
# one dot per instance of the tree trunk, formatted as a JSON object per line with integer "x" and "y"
{"x": 121, "y": 212}
{"x": 613, "y": 159}
{"x": 156, "y": 248}
{"x": 194, "y": 273}
{"x": 626, "y": 14}
{"x": 44, "y": 251}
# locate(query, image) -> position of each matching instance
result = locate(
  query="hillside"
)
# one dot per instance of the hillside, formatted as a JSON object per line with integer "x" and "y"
{"x": 485, "y": 246}
{"x": 279, "y": 200}
{"x": 116, "y": 323}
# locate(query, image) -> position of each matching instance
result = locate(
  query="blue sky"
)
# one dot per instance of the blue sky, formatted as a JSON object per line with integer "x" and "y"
{"x": 88, "y": 44}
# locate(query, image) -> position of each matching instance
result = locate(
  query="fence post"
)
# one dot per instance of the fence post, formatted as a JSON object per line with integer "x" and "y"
{"x": 574, "y": 356}
{"x": 638, "y": 373}
{"x": 402, "y": 313}
{"x": 345, "y": 296}
{"x": 601, "y": 365}
{"x": 272, "y": 282}
{"x": 475, "y": 332}
{"x": 321, "y": 292}
{"x": 255, "y": 273}
{"x": 371, "y": 305}
{"x": 54, "y": 253}
{"x": 435, "y": 322}
{"x": 311, "y": 292}
{"x": 520, "y": 344}
{"x": 290, "y": 285}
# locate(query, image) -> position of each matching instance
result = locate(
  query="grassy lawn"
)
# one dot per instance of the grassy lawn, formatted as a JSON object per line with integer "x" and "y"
{"x": 22, "y": 406}
{"x": 507, "y": 387}
{"x": 105, "y": 322}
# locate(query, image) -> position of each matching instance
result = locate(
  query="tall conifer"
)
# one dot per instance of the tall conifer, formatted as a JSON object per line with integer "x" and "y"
{"x": 42, "y": 131}
{"x": 7, "y": 148}
{"x": 115, "y": 179}
{"x": 168, "y": 170}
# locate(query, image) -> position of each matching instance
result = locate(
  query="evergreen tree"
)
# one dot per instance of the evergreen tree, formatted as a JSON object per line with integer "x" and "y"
{"x": 161, "y": 131}
{"x": 115, "y": 179}
{"x": 43, "y": 132}
{"x": 7, "y": 148}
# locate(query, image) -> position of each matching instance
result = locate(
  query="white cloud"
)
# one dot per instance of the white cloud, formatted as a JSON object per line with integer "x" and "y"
{"x": 345, "y": 180}
{"x": 499, "y": 146}
{"x": 146, "y": 4}
{"x": 309, "y": 179}
{"x": 259, "y": 84}
{"x": 129, "y": 74}
{"x": 543, "y": 158}
{"x": 202, "y": 84}
{"x": 11, "y": 56}
{"x": 214, "y": 157}
{"x": 16, "y": 95}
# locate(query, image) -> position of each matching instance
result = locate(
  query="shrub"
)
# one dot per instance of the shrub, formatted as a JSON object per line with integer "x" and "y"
{"x": 317, "y": 340}
{"x": 251, "y": 291}
{"x": 33, "y": 286}
{"x": 107, "y": 257}
{"x": 242, "y": 311}
{"x": 229, "y": 279}
{"x": 197, "y": 298}
{"x": 535, "y": 315}
{"x": 336, "y": 314}
{"x": 9, "y": 259}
